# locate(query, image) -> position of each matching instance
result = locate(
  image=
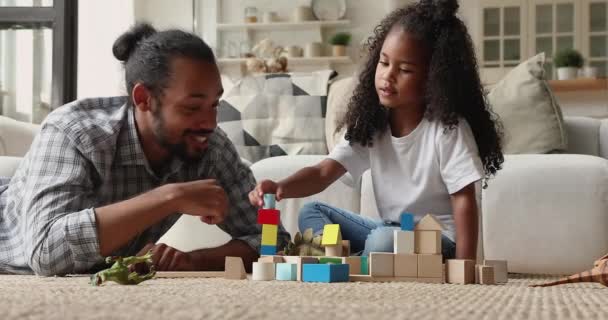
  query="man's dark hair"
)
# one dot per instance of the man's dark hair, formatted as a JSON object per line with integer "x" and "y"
{"x": 147, "y": 54}
{"x": 453, "y": 87}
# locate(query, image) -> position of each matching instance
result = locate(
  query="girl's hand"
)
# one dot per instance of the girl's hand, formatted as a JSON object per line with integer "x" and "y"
{"x": 256, "y": 196}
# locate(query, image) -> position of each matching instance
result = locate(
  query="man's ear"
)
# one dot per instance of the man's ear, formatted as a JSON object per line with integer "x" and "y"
{"x": 142, "y": 97}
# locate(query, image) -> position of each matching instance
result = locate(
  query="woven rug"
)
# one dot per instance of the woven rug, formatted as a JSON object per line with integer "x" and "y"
{"x": 30, "y": 297}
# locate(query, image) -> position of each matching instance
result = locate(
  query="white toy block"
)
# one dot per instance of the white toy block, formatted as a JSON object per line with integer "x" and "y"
{"x": 299, "y": 261}
{"x": 500, "y": 270}
{"x": 430, "y": 266}
{"x": 403, "y": 242}
{"x": 286, "y": 271}
{"x": 484, "y": 274}
{"x": 460, "y": 271}
{"x": 271, "y": 259}
{"x": 428, "y": 242}
{"x": 406, "y": 265}
{"x": 429, "y": 222}
{"x": 333, "y": 251}
{"x": 381, "y": 264}
{"x": 263, "y": 271}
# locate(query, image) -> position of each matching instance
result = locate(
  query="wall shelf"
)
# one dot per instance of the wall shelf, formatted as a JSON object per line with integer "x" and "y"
{"x": 280, "y": 25}
{"x": 581, "y": 84}
{"x": 292, "y": 61}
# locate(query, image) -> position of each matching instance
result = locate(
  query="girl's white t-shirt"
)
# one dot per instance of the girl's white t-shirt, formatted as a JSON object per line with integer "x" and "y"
{"x": 418, "y": 172}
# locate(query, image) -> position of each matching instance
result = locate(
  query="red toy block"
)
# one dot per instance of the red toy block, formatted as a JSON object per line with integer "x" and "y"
{"x": 269, "y": 216}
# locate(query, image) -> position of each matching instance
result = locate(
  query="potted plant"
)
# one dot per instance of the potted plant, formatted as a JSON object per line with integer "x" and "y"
{"x": 339, "y": 42}
{"x": 567, "y": 62}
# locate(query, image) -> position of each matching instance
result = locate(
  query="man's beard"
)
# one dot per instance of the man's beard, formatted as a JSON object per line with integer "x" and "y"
{"x": 175, "y": 149}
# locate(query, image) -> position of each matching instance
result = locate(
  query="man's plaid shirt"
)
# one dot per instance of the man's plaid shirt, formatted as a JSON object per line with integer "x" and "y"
{"x": 88, "y": 155}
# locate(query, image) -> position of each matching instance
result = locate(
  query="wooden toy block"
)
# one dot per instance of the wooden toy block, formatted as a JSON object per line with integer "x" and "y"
{"x": 287, "y": 271}
{"x": 354, "y": 264}
{"x": 269, "y": 201}
{"x": 331, "y": 235}
{"x": 269, "y": 216}
{"x": 368, "y": 278}
{"x": 406, "y": 265}
{"x": 263, "y": 271}
{"x": 272, "y": 259}
{"x": 299, "y": 261}
{"x": 381, "y": 264}
{"x": 234, "y": 268}
{"x": 460, "y": 271}
{"x": 403, "y": 242}
{"x": 268, "y": 250}
{"x": 500, "y": 270}
{"x": 333, "y": 251}
{"x": 430, "y": 266}
{"x": 325, "y": 273}
{"x": 407, "y": 222}
{"x": 334, "y": 260}
{"x": 485, "y": 274}
{"x": 345, "y": 248}
{"x": 269, "y": 234}
{"x": 364, "y": 265}
{"x": 190, "y": 274}
{"x": 429, "y": 223}
{"x": 427, "y": 242}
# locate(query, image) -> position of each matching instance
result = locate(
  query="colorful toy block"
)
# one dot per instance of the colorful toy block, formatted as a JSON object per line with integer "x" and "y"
{"x": 263, "y": 271}
{"x": 500, "y": 270}
{"x": 430, "y": 266}
{"x": 269, "y": 234}
{"x": 381, "y": 264}
{"x": 269, "y": 201}
{"x": 406, "y": 265}
{"x": 234, "y": 268}
{"x": 334, "y": 260}
{"x": 407, "y": 222}
{"x": 331, "y": 235}
{"x": 268, "y": 250}
{"x": 325, "y": 273}
{"x": 269, "y": 216}
{"x": 364, "y": 265}
{"x": 354, "y": 264}
{"x": 403, "y": 242}
{"x": 286, "y": 271}
{"x": 460, "y": 271}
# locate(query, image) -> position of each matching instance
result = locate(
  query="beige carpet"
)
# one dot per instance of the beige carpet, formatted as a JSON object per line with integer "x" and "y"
{"x": 30, "y": 297}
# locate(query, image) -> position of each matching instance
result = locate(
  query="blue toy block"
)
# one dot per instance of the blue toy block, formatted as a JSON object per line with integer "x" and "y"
{"x": 364, "y": 265}
{"x": 325, "y": 273}
{"x": 268, "y": 250}
{"x": 407, "y": 222}
{"x": 269, "y": 201}
{"x": 287, "y": 271}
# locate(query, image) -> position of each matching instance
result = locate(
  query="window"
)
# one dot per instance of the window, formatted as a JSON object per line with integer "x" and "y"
{"x": 529, "y": 27}
{"x": 37, "y": 57}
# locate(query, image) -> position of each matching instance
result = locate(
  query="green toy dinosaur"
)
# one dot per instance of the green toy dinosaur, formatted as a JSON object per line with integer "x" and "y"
{"x": 305, "y": 245}
{"x": 121, "y": 273}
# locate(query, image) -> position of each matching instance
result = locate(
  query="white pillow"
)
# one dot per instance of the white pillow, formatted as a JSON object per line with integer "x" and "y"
{"x": 532, "y": 119}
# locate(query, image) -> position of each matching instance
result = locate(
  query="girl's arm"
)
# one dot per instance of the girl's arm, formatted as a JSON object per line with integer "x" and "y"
{"x": 305, "y": 182}
{"x": 464, "y": 205}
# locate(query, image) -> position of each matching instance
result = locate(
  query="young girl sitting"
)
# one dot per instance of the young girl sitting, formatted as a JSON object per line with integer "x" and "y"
{"x": 419, "y": 120}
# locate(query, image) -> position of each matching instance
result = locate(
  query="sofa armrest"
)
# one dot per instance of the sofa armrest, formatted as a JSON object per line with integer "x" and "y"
{"x": 8, "y": 165}
{"x": 547, "y": 213}
{"x": 16, "y": 137}
{"x": 339, "y": 194}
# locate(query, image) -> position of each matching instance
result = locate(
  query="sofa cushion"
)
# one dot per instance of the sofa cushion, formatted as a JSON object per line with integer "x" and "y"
{"x": 337, "y": 100}
{"x": 8, "y": 165}
{"x": 16, "y": 136}
{"x": 277, "y": 114}
{"x": 532, "y": 119}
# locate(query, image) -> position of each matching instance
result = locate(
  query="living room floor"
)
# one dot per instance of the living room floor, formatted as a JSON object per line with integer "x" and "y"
{"x": 34, "y": 297}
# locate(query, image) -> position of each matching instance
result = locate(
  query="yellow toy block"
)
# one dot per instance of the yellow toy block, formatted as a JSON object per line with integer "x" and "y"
{"x": 331, "y": 235}
{"x": 269, "y": 234}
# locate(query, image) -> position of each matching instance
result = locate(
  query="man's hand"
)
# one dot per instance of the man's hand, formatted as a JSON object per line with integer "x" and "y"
{"x": 256, "y": 196}
{"x": 165, "y": 258}
{"x": 203, "y": 198}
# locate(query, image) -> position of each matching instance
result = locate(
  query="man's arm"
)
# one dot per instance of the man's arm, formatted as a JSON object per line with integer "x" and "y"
{"x": 464, "y": 206}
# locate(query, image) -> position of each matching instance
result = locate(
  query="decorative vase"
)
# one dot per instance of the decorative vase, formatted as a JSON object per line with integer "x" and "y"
{"x": 566, "y": 73}
{"x": 338, "y": 50}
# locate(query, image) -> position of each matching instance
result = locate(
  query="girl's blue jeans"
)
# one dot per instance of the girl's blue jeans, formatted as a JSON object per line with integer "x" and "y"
{"x": 365, "y": 234}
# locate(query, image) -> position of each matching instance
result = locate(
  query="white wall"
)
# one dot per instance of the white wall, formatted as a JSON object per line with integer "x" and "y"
{"x": 165, "y": 14}
{"x": 100, "y": 22}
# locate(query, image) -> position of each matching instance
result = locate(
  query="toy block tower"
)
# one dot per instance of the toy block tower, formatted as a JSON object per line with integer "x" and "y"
{"x": 404, "y": 238}
{"x": 269, "y": 218}
{"x": 332, "y": 240}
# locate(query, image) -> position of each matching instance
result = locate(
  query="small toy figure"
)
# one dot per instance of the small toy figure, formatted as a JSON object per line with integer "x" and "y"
{"x": 121, "y": 273}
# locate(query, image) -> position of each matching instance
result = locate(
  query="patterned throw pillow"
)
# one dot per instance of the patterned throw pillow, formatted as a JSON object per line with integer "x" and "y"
{"x": 277, "y": 114}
